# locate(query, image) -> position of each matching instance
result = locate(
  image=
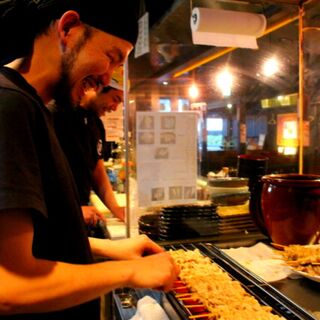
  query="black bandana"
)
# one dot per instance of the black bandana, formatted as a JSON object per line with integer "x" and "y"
{"x": 21, "y": 20}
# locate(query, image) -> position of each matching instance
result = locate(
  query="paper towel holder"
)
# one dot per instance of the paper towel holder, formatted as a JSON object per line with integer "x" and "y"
{"x": 226, "y": 28}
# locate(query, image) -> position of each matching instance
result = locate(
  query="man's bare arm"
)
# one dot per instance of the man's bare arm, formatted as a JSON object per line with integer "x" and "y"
{"x": 35, "y": 285}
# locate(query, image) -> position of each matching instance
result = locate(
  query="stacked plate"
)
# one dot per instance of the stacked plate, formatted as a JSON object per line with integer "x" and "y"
{"x": 228, "y": 191}
{"x": 235, "y": 219}
{"x": 237, "y": 225}
{"x": 228, "y": 184}
{"x": 187, "y": 221}
{"x": 230, "y": 199}
{"x": 149, "y": 225}
{"x": 197, "y": 221}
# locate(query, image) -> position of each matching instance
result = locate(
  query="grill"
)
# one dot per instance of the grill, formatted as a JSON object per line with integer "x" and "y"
{"x": 261, "y": 290}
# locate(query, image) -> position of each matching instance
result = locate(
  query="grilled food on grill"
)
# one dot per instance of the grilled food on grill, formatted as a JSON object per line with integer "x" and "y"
{"x": 223, "y": 297}
{"x": 303, "y": 258}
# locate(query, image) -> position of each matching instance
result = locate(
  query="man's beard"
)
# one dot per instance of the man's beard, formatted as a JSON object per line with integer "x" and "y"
{"x": 62, "y": 91}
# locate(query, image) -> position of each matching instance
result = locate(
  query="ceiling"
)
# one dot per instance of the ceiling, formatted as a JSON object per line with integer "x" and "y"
{"x": 172, "y": 50}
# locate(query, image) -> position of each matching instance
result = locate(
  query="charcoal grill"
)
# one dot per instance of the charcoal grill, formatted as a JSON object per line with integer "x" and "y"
{"x": 253, "y": 284}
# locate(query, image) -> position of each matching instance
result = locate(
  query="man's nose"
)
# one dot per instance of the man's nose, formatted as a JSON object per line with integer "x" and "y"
{"x": 114, "y": 107}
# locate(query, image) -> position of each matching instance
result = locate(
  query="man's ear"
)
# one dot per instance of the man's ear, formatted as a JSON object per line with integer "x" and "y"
{"x": 68, "y": 21}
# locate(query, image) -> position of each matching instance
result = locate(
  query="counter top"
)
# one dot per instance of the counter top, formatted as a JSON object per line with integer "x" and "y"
{"x": 95, "y": 200}
{"x": 303, "y": 292}
{"x": 116, "y": 227}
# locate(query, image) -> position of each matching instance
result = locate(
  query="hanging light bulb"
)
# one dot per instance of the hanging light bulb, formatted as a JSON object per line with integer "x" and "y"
{"x": 270, "y": 67}
{"x": 224, "y": 82}
{"x": 193, "y": 91}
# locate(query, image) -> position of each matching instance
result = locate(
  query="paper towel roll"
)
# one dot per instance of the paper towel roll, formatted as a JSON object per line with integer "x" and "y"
{"x": 226, "y": 28}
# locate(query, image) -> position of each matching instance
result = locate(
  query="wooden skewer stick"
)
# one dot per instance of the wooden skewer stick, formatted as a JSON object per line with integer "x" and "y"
{"x": 188, "y": 298}
{"x": 200, "y": 316}
{"x": 183, "y": 295}
{"x": 194, "y": 305}
{"x": 181, "y": 287}
{"x": 296, "y": 263}
{"x": 278, "y": 246}
{"x": 310, "y": 263}
{"x": 178, "y": 281}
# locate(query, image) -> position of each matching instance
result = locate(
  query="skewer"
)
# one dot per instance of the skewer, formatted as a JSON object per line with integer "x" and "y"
{"x": 188, "y": 298}
{"x": 297, "y": 263}
{"x": 196, "y": 308}
{"x": 315, "y": 239}
{"x": 178, "y": 282}
{"x": 193, "y": 305}
{"x": 181, "y": 287}
{"x": 199, "y": 316}
{"x": 278, "y": 246}
{"x": 183, "y": 295}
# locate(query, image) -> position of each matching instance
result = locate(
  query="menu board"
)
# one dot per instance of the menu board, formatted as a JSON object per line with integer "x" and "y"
{"x": 113, "y": 123}
{"x": 166, "y": 157}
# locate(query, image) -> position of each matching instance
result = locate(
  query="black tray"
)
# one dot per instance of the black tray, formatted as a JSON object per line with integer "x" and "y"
{"x": 189, "y": 210}
{"x": 253, "y": 284}
{"x": 180, "y": 235}
{"x": 176, "y": 218}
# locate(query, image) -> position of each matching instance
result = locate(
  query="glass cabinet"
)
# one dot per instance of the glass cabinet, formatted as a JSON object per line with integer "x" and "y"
{"x": 261, "y": 102}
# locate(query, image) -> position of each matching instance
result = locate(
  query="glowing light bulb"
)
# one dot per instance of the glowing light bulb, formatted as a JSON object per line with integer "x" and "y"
{"x": 224, "y": 82}
{"x": 270, "y": 67}
{"x": 193, "y": 91}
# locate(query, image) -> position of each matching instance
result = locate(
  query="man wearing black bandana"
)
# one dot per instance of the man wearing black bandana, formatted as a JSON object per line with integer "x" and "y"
{"x": 47, "y": 269}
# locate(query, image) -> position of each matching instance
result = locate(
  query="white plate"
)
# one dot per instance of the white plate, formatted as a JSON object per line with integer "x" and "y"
{"x": 223, "y": 190}
{"x": 307, "y": 275}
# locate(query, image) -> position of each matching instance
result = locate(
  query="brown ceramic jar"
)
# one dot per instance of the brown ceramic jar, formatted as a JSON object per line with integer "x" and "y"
{"x": 290, "y": 206}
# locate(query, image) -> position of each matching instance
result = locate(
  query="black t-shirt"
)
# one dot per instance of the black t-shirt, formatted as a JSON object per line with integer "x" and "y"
{"x": 34, "y": 174}
{"x": 82, "y": 138}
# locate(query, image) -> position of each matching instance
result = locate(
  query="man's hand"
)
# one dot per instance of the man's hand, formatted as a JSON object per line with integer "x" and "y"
{"x": 133, "y": 248}
{"x": 119, "y": 212}
{"x": 157, "y": 271}
{"x": 92, "y": 215}
{"x": 125, "y": 249}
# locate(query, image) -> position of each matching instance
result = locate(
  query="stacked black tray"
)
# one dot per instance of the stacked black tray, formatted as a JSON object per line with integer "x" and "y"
{"x": 187, "y": 221}
{"x": 180, "y": 222}
{"x": 149, "y": 225}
